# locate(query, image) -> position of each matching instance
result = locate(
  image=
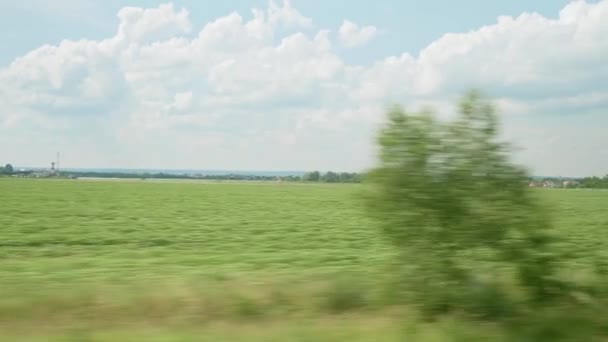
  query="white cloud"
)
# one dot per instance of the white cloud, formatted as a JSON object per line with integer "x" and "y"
{"x": 182, "y": 101}
{"x": 523, "y": 57}
{"x": 270, "y": 84}
{"x": 287, "y": 16}
{"x": 351, "y": 35}
{"x": 149, "y": 25}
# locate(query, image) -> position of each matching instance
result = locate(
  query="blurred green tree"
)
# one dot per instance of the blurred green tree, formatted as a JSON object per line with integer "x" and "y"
{"x": 447, "y": 195}
{"x": 8, "y": 168}
{"x": 313, "y": 176}
{"x": 330, "y": 177}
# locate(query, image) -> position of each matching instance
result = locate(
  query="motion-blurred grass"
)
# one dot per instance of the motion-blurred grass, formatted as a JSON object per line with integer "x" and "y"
{"x": 118, "y": 260}
{"x": 73, "y": 231}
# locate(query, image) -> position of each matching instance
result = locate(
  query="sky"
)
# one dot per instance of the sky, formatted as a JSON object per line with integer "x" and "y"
{"x": 294, "y": 85}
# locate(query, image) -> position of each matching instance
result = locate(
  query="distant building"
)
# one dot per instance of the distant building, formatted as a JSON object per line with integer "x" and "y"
{"x": 570, "y": 184}
{"x": 552, "y": 183}
{"x": 43, "y": 174}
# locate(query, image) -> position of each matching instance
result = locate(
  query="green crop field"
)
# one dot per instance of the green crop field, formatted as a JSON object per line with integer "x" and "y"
{"x": 83, "y": 231}
{"x": 175, "y": 261}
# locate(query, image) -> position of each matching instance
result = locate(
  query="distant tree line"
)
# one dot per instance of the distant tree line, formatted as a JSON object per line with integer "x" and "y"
{"x": 315, "y": 176}
{"x": 332, "y": 177}
{"x": 162, "y": 175}
{"x": 594, "y": 182}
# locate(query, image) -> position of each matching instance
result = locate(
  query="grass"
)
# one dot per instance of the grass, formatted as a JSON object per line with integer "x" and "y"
{"x": 175, "y": 261}
{"x": 58, "y": 231}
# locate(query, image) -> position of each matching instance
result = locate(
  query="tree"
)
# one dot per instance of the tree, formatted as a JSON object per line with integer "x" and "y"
{"x": 331, "y": 177}
{"x": 314, "y": 176}
{"x": 345, "y": 177}
{"x": 448, "y": 197}
{"x": 8, "y": 168}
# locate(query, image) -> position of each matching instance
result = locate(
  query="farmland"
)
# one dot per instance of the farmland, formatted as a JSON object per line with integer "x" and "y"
{"x": 57, "y": 231}
{"x": 135, "y": 254}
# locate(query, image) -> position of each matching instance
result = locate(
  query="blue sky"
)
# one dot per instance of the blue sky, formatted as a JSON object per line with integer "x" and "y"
{"x": 301, "y": 86}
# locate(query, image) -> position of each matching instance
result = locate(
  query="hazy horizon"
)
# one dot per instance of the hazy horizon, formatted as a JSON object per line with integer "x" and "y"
{"x": 259, "y": 172}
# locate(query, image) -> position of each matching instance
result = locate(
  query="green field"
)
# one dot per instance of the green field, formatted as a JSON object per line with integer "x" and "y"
{"x": 174, "y": 261}
{"x": 115, "y": 230}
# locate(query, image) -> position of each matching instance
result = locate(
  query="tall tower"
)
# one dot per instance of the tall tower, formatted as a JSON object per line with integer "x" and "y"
{"x": 57, "y": 162}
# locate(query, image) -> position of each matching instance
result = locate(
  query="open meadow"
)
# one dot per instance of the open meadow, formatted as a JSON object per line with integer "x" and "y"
{"x": 179, "y": 261}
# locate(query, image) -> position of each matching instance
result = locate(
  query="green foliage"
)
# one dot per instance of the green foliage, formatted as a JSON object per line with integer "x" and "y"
{"x": 447, "y": 195}
{"x": 332, "y": 177}
{"x": 7, "y": 169}
{"x": 556, "y": 323}
{"x": 594, "y": 182}
{"x": 313, "y": 176}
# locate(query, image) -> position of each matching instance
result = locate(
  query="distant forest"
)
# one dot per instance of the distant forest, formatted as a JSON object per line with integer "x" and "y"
{"x": 314, "y": 176}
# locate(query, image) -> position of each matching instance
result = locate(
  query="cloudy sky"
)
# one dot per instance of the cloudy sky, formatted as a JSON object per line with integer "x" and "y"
{"x": 294, "y": 85}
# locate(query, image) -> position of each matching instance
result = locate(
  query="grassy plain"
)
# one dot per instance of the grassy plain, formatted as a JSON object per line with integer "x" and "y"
{"x": 190, "y": 261}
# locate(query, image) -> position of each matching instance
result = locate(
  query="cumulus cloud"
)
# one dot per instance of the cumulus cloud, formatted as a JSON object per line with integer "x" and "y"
{"x": 525, "y": 57}
{"x": 149, "y": 25}
{"x": 269, "y": 91}
{"x": 351, "y": 35}
{"x": 287, "y": 16}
